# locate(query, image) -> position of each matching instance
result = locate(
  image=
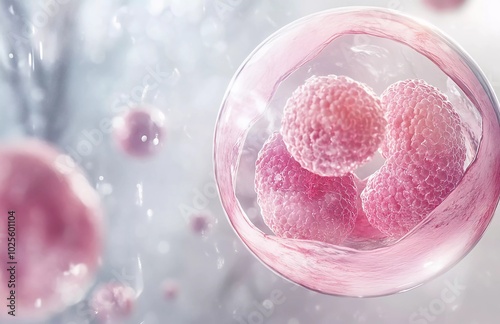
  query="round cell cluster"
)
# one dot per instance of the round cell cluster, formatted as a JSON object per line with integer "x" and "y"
{"x": 425, "y": 153}
{"x": 112, "y": 302}
{"x": 139, "y": 132}
{"x": 299, "y": 204}
{"x": 54, "y": 229}
{"x": 332, "y": 124}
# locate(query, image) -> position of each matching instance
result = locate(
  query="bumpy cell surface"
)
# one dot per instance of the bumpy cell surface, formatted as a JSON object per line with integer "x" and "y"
{"x": 363, "y": 230}
{"x": 421, "y": 120}
{"x": 425, "y": 153}
{"x": 332, "y": 124}
{"x": 56, "y": 230}
{"x": 299, "y": 204}
{"x": 139, "y": 132}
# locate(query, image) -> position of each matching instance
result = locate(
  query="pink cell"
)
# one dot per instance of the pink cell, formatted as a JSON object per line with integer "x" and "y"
{"x": 199, "y": 223}
{"x": 426, "y": 155}
{"x": 421, "y": 120}
{"x": 139, "y": 132}
{"x": 443, "y": 5}
{"x": 296, "y": 203}
{"x": 112, "y": 302}
{"x": 56, "y": 227}
{"x": 170, "y": 289}
{"x": 332, "y": 124}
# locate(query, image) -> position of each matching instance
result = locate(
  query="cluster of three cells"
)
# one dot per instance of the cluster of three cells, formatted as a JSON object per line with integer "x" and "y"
{"x": 332, "y": 125}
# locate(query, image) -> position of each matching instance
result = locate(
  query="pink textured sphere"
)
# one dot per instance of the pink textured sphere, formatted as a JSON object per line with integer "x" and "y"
{"x": 296, "y": 203}
{"x": 112, "y": 302}
{"x": 425, "y": 153}
{"x": 332, "y": 124}
{"x": 56, "y": 230}
{"x": 442, "y": 5}
{"x": 139, "y": 132}
{"x": 421, "y": 120}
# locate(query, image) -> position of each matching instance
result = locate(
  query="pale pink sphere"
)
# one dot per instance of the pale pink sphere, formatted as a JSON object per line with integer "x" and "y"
{"x": 296, "y": 203}
{"x": 443, "y": 5}
{"x": 199, "y": 223}
{"x": 139, "y": 132}
{"x": 113, "y": 301}
{"x": 58, "y": 229}
{"x": 421, "y": 120}
{"x": 332, "y": 125}
{"x": 170, "y": 289}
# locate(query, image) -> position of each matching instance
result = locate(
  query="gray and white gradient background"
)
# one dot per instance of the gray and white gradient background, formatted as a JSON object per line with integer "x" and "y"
{"x": 180, "y": 56}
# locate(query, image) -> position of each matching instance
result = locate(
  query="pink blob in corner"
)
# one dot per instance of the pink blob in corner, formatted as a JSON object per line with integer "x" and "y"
{"x": 332, "y": 124}
{"x": 139, "y": 132}
{"x": 112, "y": 302}
{"x": 444, "y": 5}
{"x": 296, "y": 203}
{"x": 57, "y": 229}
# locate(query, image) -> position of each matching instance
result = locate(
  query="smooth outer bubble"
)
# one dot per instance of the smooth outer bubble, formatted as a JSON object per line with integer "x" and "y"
{"x": 139, "y": 132}
{"x": 113, "y": 301}
{"x": 443, "y": 238}
{"x": 58, "y": 232}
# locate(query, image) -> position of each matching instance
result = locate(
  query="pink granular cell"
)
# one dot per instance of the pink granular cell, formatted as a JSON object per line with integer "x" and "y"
{"x": 57, "y": 229}
{"x": 443, "y": 5}
{"x": 332, "y": 124}
{"x": 421, "y": 120}
{"x": 296, "y": 203}
{"x": 425, "y": 153}
{"x": 113, "y": 301}
{"x": 139, "y": 132}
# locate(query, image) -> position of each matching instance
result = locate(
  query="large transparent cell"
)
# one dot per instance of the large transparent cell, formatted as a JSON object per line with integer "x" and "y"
{"x": 376, "y": 47}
